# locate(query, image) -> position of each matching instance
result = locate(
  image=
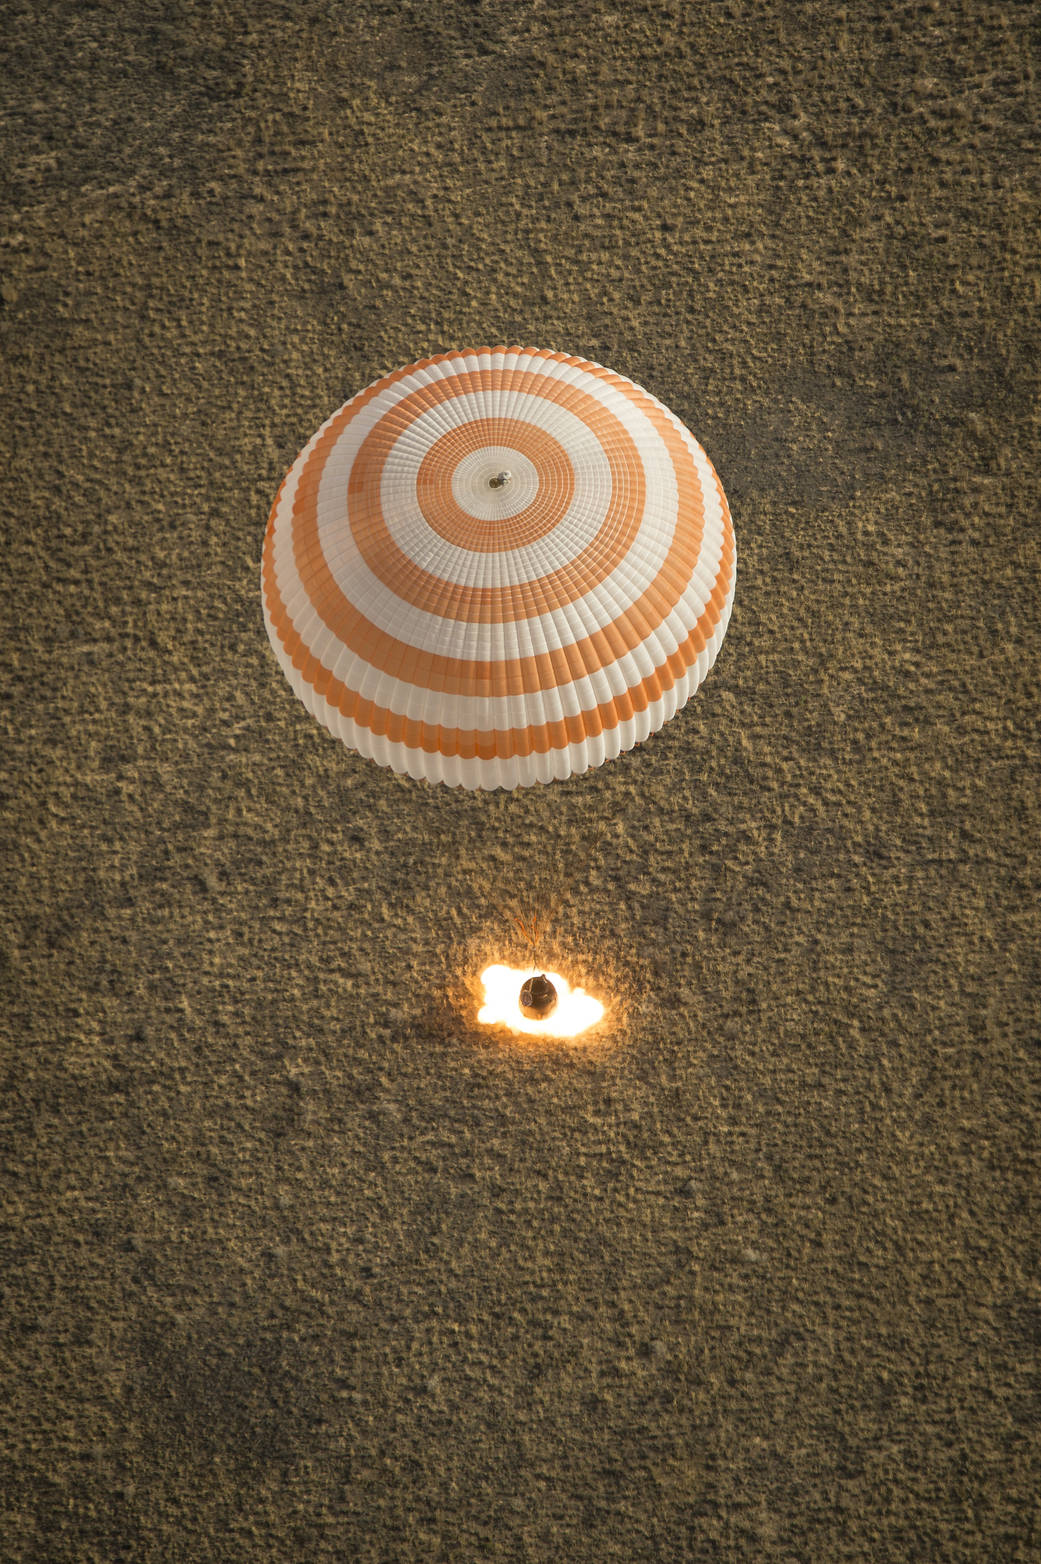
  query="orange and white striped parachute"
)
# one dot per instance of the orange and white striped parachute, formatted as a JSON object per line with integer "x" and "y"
{"x": 498, "y": 567}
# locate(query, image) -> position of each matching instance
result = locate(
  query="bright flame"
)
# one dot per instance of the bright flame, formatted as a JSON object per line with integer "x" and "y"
{"x": 575, "y": 1011}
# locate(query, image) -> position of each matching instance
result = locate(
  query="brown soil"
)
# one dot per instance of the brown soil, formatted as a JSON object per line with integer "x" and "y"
{"x": 301, "y": 1265}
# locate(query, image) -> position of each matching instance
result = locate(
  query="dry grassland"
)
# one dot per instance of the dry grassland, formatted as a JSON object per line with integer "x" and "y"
{"x": 300, "y": 1263}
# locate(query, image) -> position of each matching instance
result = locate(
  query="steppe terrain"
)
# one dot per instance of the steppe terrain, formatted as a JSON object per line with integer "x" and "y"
{"x": 300, "y": 1263}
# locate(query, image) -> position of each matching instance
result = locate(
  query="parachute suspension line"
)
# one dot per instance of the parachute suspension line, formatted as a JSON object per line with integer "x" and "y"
{"x": 529, "y": 928}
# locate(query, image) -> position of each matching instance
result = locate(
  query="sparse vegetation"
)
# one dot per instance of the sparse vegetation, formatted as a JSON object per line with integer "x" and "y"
{"x": 300, "y": 1263}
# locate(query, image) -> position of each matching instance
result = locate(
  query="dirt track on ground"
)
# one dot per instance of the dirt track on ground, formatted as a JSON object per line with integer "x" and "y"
{"x": 301, "y": 1263}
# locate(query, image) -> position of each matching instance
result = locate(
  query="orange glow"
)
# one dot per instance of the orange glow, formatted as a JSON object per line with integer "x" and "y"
{"x": 576, "y": 1011}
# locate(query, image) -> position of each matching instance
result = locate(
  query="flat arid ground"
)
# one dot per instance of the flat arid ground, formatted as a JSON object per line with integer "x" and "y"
{"x": 301, "y": 1263}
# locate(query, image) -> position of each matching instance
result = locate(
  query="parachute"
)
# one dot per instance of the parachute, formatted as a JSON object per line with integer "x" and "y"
{"x": 498, "y": 567}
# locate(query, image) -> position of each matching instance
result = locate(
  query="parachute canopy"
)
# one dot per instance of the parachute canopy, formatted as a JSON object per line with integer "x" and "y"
{"x": 498, "y": 567}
